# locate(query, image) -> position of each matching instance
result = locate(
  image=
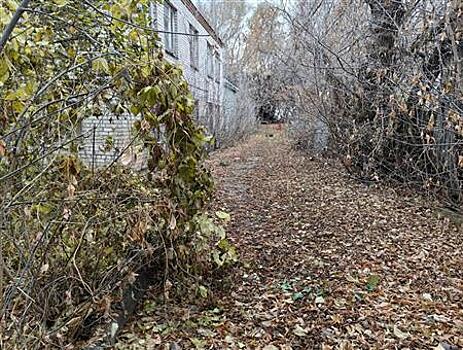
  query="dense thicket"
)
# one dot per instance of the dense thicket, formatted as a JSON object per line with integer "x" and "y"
{"x": 380, "y": 83}
{"x": 75, "y": 238}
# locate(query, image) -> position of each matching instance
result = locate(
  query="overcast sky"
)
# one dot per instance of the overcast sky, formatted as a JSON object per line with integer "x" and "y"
{"x": 252, "y": 2}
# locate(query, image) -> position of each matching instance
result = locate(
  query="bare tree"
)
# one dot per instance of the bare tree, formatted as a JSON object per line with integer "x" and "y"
{"x": 230, "y": 19}
{"x": 384, "y": 80}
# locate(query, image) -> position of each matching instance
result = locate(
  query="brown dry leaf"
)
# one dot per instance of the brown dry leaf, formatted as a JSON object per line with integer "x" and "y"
{"x": 304, "y": 230}
{"x": 2, "y": 148}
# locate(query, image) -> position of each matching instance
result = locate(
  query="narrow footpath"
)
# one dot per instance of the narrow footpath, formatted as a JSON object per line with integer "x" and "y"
{"x": 325, "y": 263}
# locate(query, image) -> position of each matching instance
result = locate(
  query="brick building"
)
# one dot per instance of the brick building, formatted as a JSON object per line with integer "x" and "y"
{"x": 188, "y": 41}
{"x": 191, "y": 43}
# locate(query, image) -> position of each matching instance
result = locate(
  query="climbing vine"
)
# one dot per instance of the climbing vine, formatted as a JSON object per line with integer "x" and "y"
{"x": 75, "y": 237}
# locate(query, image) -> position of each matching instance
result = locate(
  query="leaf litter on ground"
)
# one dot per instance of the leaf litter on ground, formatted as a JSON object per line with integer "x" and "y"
{"x": 325, "y": 263}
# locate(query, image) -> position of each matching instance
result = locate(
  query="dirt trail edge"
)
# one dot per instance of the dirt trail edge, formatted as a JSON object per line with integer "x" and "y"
{"x": 325, "y": 263}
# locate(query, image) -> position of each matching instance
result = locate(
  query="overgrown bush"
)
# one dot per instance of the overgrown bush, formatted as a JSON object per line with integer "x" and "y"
{"x": 385, "y": 77}
{"x": 74, "y": 238}
{"x": 403, "y": 120}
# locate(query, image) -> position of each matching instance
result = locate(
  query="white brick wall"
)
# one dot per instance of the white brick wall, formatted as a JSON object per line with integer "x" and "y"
{"x": 100, "y": 130}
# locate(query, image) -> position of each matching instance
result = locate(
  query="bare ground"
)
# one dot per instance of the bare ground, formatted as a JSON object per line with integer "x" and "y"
{"x": 325, "y": 263}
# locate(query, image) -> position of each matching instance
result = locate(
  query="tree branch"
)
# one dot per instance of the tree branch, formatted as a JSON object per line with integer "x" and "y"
{"x": 9, "y": 28}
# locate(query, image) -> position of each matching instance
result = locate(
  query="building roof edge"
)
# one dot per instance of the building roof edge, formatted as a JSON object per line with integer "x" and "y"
{"x": 200, "y": 17}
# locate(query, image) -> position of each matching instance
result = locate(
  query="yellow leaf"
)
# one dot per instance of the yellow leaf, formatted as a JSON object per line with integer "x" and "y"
{"x": 18, "y": 106}
{"x": 60, "y": 3}
{"x": 71, "y": 52}
{"x": 4, "y": 71}
{"x": 101, "y": 65}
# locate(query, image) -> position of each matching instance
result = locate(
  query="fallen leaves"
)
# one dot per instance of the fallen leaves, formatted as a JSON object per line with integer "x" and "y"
{"x": 325, "y": 262}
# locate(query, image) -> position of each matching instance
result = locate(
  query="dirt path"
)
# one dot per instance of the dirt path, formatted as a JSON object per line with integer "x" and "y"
{"x": 326, "y": 263}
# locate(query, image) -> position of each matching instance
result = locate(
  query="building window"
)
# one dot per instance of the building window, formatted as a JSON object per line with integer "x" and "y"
{"x": 170, "y": 26}
{"x": 194, "y": 46}
{"x": 217, "y": 67}
{"x": 210, "y": 61}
